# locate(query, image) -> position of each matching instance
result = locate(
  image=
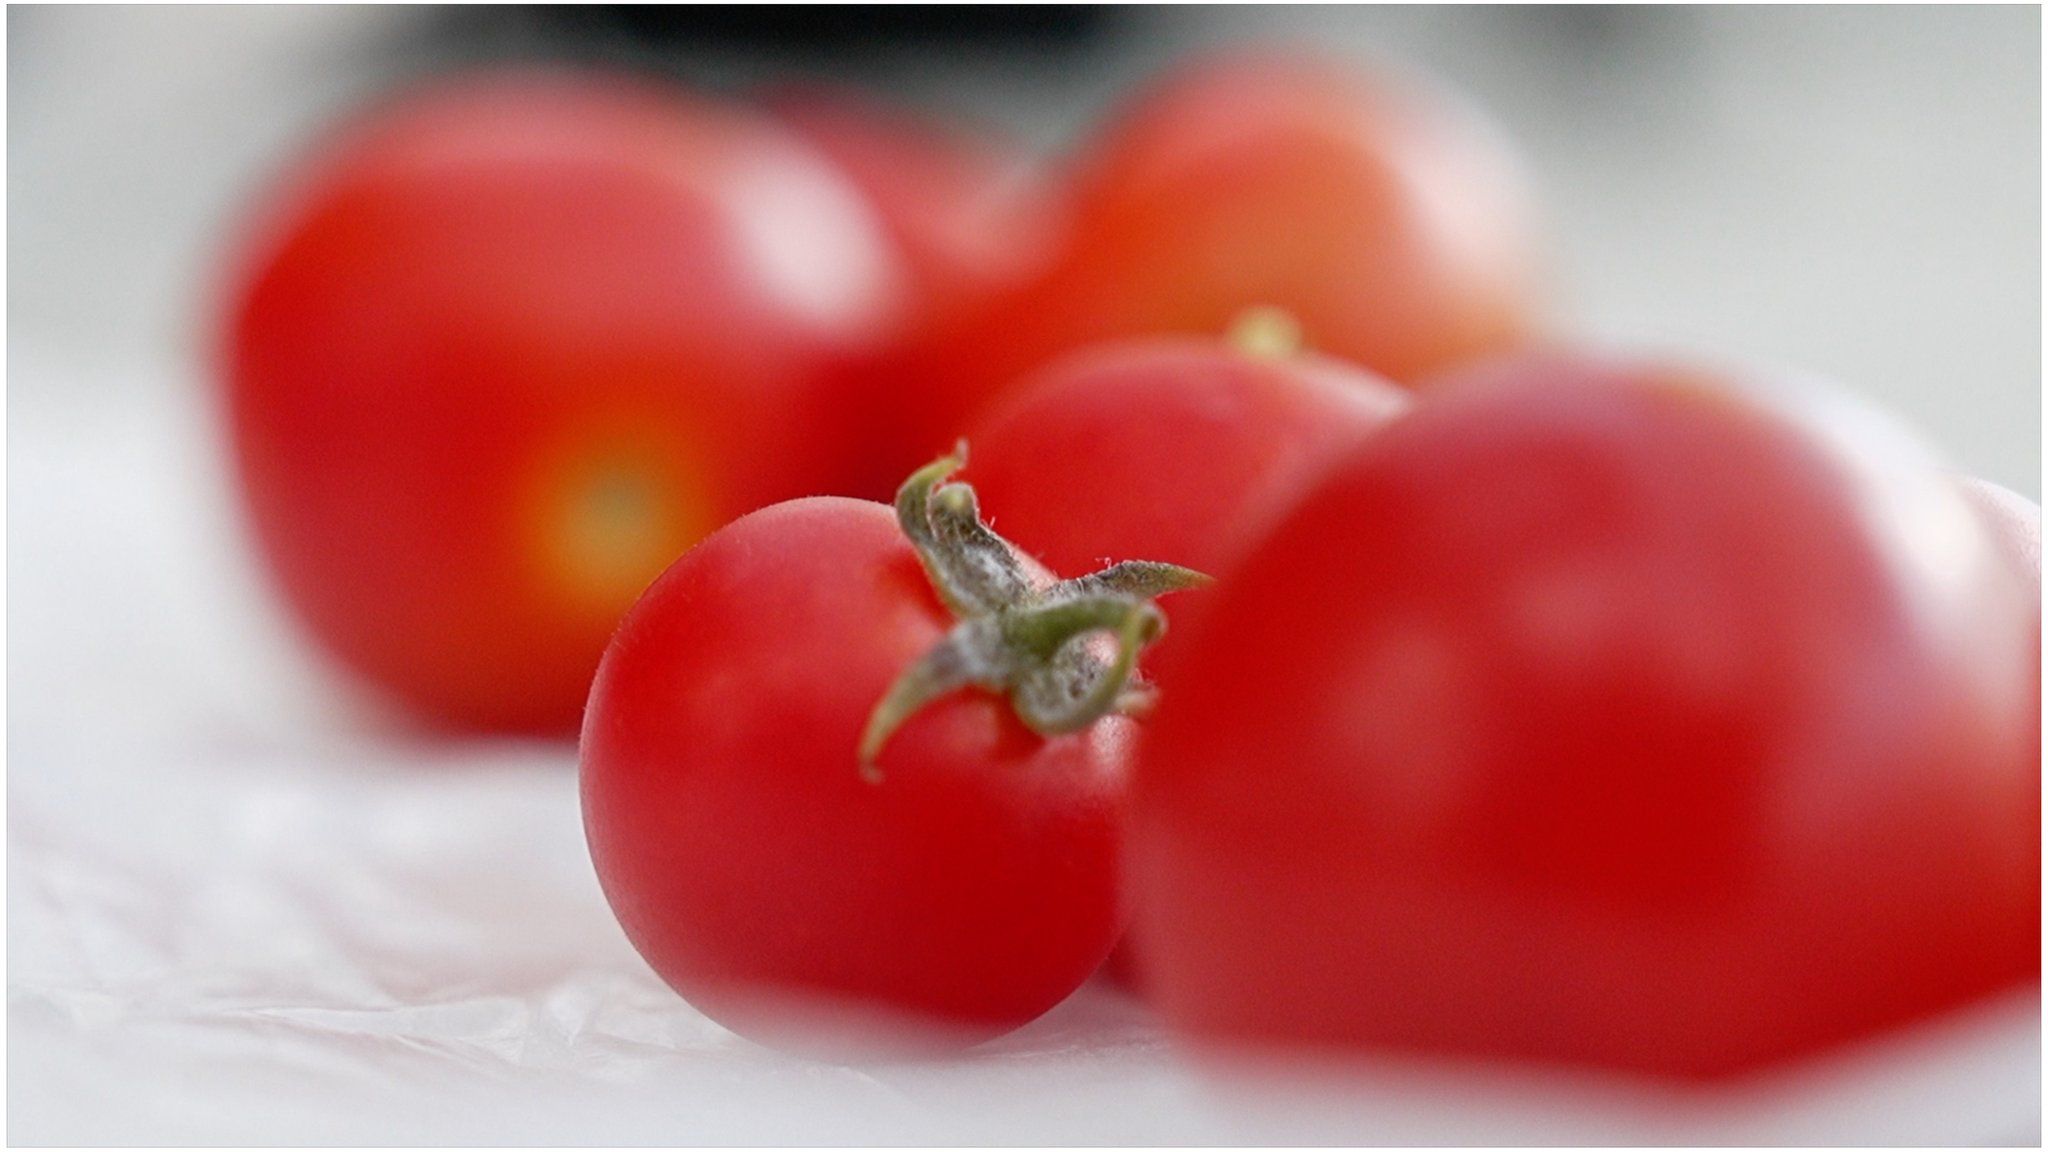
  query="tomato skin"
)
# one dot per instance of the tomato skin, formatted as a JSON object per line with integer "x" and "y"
{"x": 1169, "y": 448}
{"x": 749, "y": 862}
{"x": 509, "y": 345}
{"x": 949, "y": 198}
{"x": 966, "y": 212}
{"x": 1390, "y": 221}
{"x": 1594, "y": 713}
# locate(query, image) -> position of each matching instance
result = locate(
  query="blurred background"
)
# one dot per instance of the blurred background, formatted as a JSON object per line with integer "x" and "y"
{"x": 1850, "y": 190}
{"x": 200, "y": 813}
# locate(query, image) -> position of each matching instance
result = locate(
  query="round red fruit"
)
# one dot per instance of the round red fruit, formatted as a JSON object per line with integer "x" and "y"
{"x": 1599, "y": 713}
{"x": 963, "y": 210}
{"x": 506, "y": 347}
{"x": 1383, "y": 214}
{"x": 1175, "y": 448}
{"x": 804, "y": 825}
{"x": 949, "y": 197}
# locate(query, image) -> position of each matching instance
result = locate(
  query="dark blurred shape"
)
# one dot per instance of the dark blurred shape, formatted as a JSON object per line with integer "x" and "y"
{"x": 657, "y": 33}
{"x": 777, "y": 25}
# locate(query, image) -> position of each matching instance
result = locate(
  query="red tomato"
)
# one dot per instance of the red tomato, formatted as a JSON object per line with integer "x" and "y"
{"x": 952, "y": 200}
{"x": 510, "y": 346}
{"x": 1173, "y": 448}
{"x": 1597, "y": 713}
{"x": 964, "y": 211}
{"x": 788, "y": 896}
{"x": 1386, "y": 217}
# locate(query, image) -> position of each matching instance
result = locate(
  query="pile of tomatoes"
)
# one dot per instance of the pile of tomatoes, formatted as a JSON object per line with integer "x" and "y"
{"x": 1518, "y": 700}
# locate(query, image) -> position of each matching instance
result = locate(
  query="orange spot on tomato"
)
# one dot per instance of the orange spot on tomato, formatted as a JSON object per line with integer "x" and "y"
{"x": 612, "y": 509}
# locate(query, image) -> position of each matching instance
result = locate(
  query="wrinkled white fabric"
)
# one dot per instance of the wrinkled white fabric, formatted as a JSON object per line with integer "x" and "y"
{"x": 241, "y": 912}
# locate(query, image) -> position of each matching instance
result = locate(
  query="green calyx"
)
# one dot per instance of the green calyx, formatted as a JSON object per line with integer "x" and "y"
{"x": 1037, "y": 640}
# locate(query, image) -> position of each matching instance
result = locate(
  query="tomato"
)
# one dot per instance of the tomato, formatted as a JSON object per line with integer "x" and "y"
{"x": 951, "y": 199}
{"x": 967, "y": 215}
{"x": 508, "y": 346}
{"x": 1599, "y": 713}
{"x": 1385, "y": 216}
{"x": 959, "y": 891}
{"x": 1175, "y": 448}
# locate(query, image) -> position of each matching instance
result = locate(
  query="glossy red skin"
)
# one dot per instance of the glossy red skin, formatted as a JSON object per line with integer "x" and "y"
{"x": 1174, "y": 448}
{"x": 970, "y": 890}
{"x": 1388, "y": 219}
{"x": 965, "y": 213}
{"x": 506, "y": 347}
{"x": 1591, "y": 714}
{"x": 1177, "y": 449}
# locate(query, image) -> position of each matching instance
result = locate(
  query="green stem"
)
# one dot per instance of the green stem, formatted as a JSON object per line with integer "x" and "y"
{"x": 1017, "y": 635}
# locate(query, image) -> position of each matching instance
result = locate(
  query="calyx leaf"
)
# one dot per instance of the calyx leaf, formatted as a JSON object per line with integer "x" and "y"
{"x": 1019, "y": 633}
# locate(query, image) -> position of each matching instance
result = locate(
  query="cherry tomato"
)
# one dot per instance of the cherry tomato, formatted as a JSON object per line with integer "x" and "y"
{"x": 508, "y": 346}
{"x": 1385, "y": 216}
{"x": 950, "y": 198}
{"x": 1598, "y": 713}
{"x": 966, "y": 213}
{"x": 962, "y": 890}
{"x": 1174, "y": 448}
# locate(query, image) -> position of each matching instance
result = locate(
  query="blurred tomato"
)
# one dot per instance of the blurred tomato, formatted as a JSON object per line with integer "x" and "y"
{"x": 949, "y": 197}
{"x": 964, "y": 209}
{"x": 507, "y": 347}
{"x": 1598, "y": 713}
{"x": 1171, "y": 448}
{"x": 1383, "y": 215}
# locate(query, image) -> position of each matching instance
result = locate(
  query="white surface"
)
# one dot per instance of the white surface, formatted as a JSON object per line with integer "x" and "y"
{"x": 243, "y": 908}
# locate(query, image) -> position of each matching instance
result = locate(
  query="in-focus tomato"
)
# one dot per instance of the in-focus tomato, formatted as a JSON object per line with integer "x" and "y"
{"x": 1383, "y": 214}
{"x": 508, "y": 346}
{"x": 1598, "y": 713}
{"x": 959, "y": 892}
